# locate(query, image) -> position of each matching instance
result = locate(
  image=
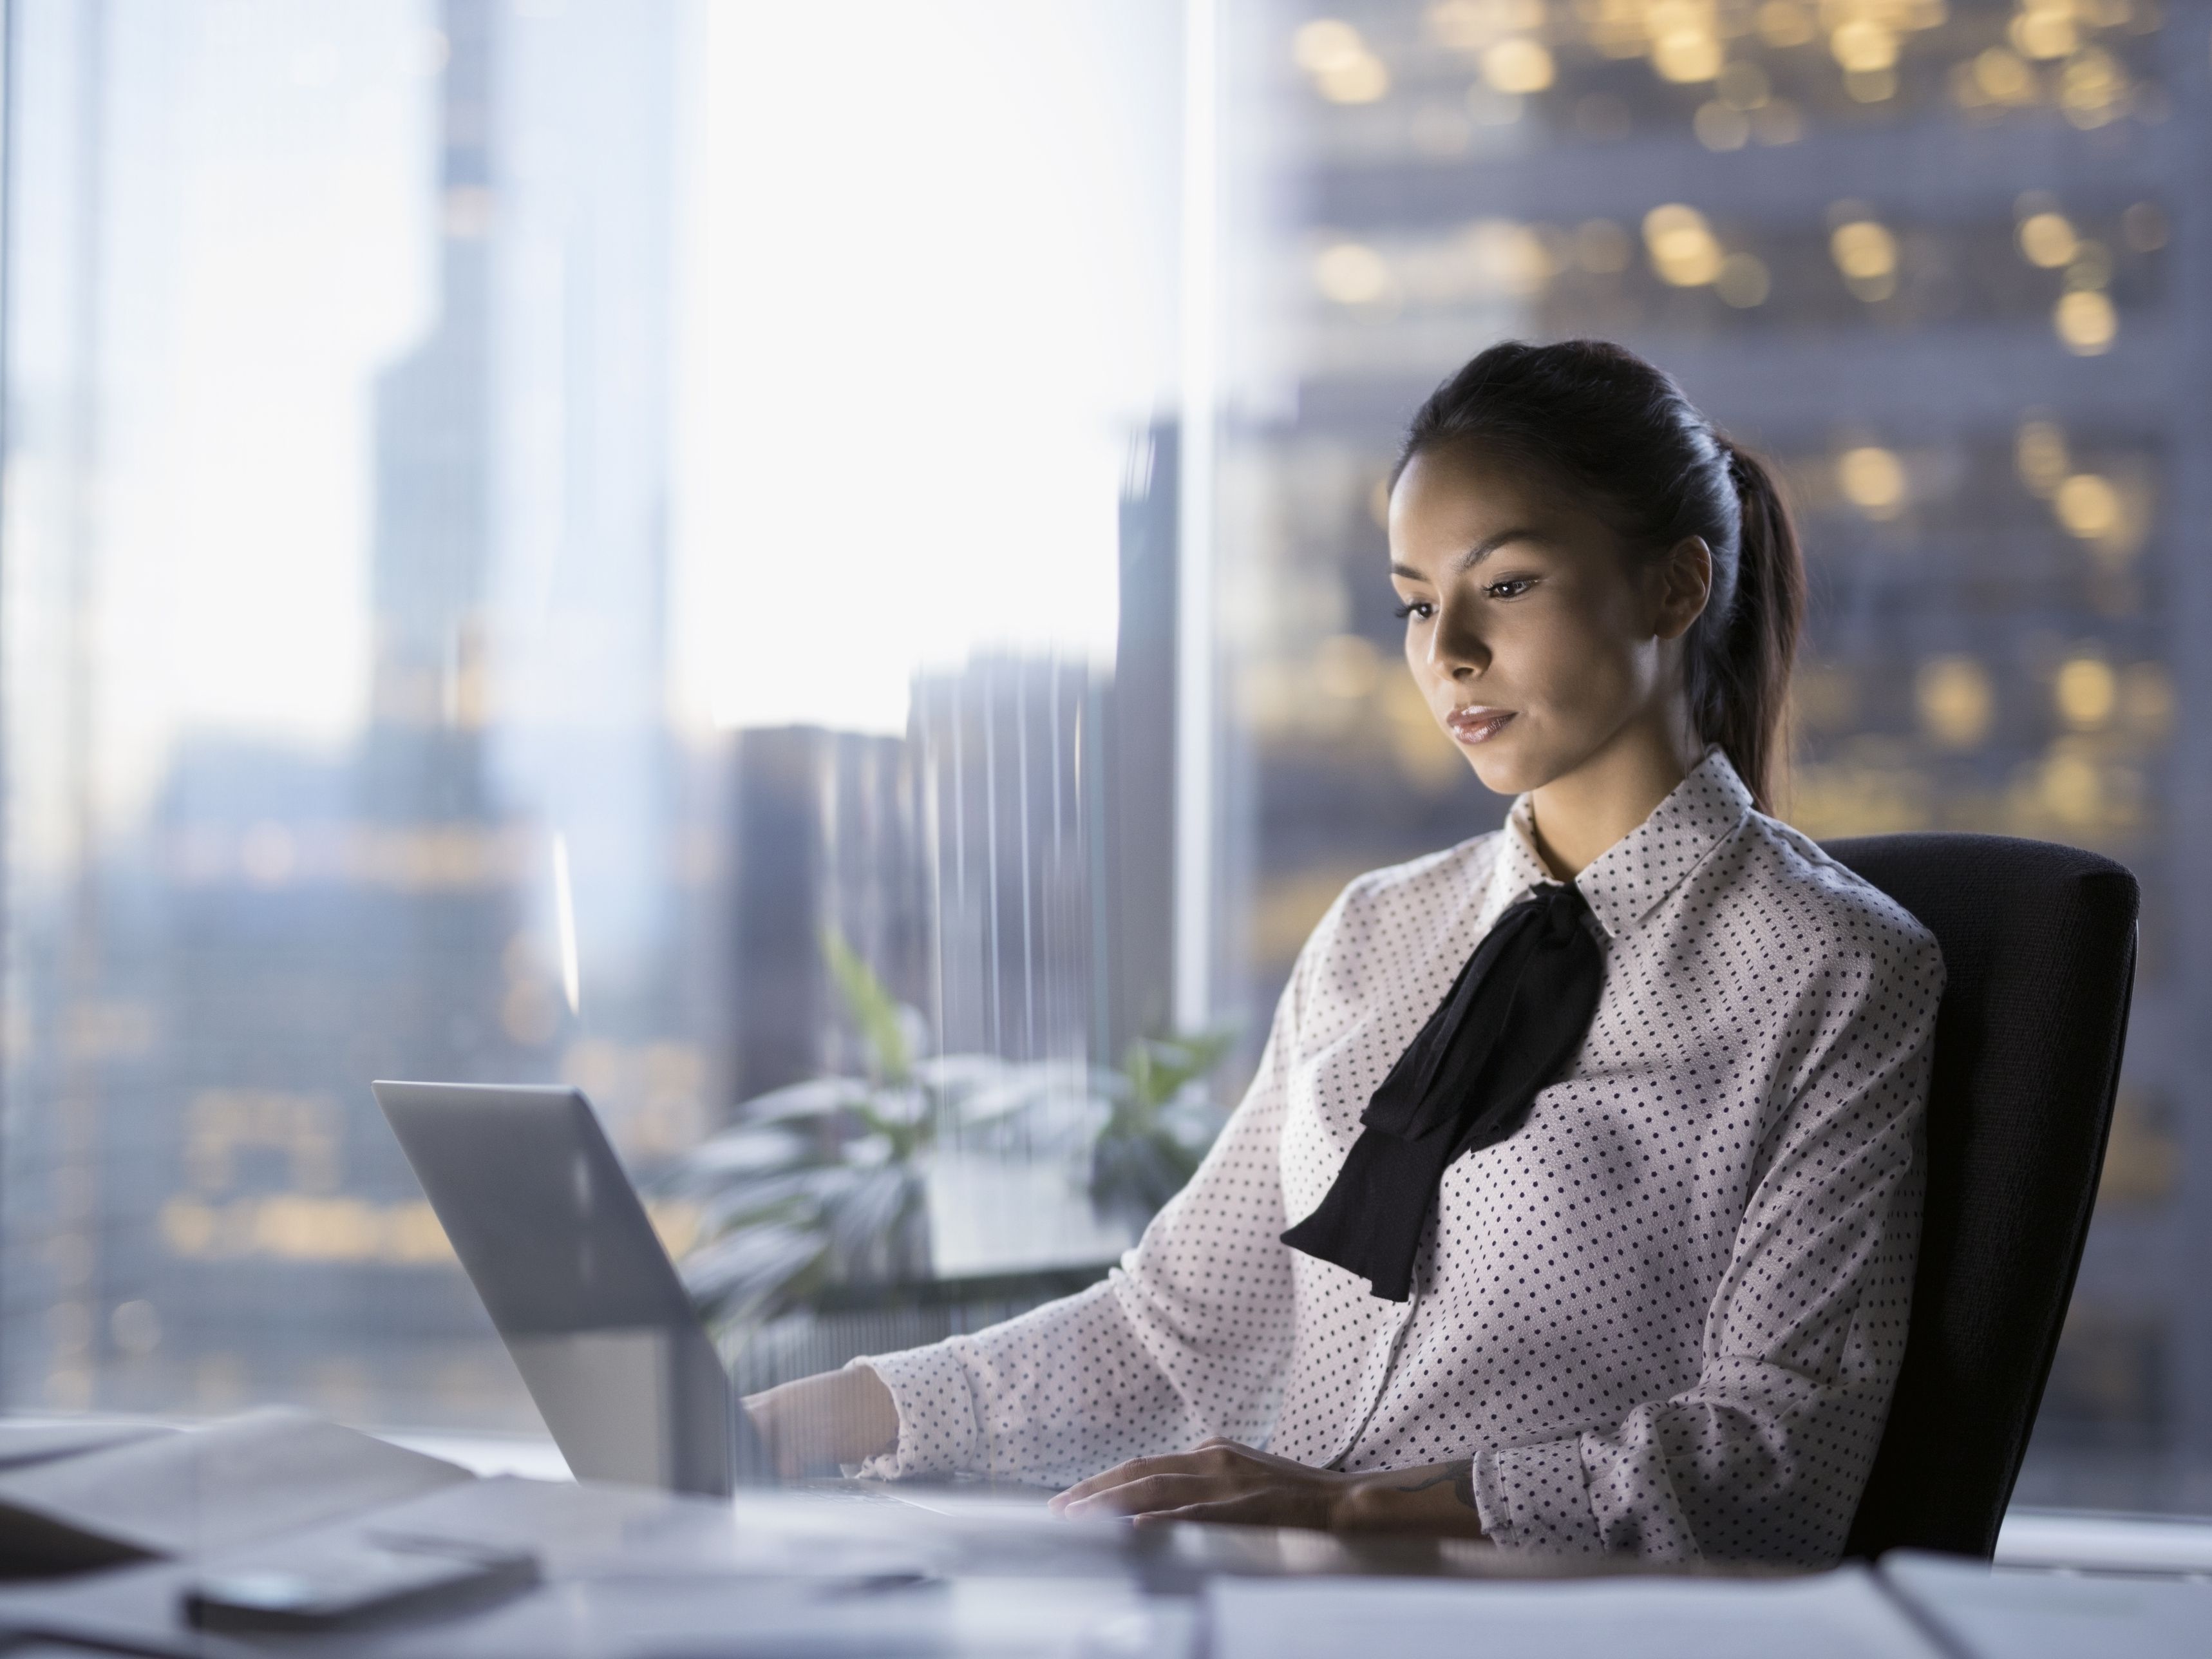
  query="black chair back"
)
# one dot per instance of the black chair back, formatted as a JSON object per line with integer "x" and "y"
{"x": 2039, "y": 949}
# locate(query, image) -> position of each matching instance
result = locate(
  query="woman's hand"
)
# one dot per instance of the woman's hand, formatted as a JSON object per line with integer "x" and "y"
{"x": 814, "y": 1424}
{"x": 1222, "y": 1481}
{"x": 1219, "y": 1481}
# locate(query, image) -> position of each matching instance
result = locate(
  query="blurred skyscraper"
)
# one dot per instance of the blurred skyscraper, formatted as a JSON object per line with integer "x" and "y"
{"x": 1003, "y": 867}
{"x": 288, "y": 926}
{"x": 1945, "y": 263}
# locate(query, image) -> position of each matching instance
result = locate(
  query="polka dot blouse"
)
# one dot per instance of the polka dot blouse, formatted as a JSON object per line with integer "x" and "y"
{"x": 1664, "y": 1318}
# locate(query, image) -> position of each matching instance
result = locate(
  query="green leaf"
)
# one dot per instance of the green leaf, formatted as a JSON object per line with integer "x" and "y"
{"x": 873, "y": 1010}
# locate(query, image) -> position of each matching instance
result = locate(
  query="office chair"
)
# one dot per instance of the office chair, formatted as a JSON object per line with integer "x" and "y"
{"x": 2039, "y": 948}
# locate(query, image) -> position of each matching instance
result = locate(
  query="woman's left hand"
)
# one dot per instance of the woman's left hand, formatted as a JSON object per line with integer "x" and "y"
{"x": 1220, "y": 1481}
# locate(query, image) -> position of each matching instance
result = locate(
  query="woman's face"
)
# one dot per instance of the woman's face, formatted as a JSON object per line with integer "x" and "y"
{"x": 1537, "y": 642}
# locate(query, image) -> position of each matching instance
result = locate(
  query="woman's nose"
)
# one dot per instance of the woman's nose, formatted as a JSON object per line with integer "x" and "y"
{"x": 1456, "y": 648}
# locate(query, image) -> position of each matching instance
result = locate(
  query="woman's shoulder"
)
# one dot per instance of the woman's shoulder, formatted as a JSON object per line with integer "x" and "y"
{"x": 1783, "y": 872}
{"x": 1406, "y": 903}
{"x": 1452, "y": 869}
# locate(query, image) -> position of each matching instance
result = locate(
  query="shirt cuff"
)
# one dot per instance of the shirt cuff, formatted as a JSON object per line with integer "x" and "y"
{"x": 937, "y": 1431}
{"x": 1537, "y": 1498}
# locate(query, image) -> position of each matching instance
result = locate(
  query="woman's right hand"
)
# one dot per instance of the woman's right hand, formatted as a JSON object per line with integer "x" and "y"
{"x": 818, "y": 1423}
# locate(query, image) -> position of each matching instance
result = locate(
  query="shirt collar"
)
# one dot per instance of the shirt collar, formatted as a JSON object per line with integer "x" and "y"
{"x": 1635, "y": 875}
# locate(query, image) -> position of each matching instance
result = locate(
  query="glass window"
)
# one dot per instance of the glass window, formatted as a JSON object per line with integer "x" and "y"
{"x": 1930, "y": 258}
{"x": 578, "y": 542}
{"x": 816, "y": 572}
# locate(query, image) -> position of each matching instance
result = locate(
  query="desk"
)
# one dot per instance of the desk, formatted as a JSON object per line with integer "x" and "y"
{"x": 632, "y": 1574}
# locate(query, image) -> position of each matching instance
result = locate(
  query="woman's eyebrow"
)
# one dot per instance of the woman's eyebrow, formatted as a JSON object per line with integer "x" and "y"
{"x": 1473, "y": 555}
{"x": 1488, "y": 544}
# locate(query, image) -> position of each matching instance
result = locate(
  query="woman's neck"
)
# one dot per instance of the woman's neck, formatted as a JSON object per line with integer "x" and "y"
{"x": 1579, "y": 815}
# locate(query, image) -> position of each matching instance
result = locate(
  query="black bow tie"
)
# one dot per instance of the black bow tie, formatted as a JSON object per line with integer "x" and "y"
{"x": 1515, "y": 1015}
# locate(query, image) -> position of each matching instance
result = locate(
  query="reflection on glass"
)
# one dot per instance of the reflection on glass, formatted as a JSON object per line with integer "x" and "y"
{"x": 537, "y": 551}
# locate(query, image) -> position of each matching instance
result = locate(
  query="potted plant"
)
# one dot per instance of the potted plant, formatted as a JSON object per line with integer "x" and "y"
{"x": 826, "y": 1185}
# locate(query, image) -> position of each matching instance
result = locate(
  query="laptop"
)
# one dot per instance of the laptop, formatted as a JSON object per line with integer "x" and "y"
{"x": 554, "y": 1237}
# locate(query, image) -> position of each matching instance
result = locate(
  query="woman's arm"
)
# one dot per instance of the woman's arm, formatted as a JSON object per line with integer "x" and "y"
{"x": 1223, "y": 1481}
{"x": 816, "y": 1424}
{"x": 1765, "y": 1456}
{"x": 1186, "y": 1340}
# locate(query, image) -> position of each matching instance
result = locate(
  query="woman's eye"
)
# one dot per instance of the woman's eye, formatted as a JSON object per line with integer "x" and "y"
{"x": 1512, "y": 588}
{"x": 1420, "y": 608}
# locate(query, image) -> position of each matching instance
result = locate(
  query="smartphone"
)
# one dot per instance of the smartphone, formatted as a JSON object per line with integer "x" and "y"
{"x": 324, "y": 1585}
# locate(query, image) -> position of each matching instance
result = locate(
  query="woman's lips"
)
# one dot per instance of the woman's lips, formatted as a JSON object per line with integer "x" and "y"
{"x": 1473, "y": 726}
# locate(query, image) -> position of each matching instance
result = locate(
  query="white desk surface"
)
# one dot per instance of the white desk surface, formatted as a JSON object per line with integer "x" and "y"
{"x": 640, "y": 1575}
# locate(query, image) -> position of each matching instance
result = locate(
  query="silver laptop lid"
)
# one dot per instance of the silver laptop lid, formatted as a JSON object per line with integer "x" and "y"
{"x": 552, "y": 1235}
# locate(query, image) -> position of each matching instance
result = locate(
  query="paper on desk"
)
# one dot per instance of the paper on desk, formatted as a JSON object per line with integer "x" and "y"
{"x": 49, "y": 1440}
{"x": 2030, "y": 1612}
{"x": 233, "y": 1482}
{"x": 1844, "y": 1615}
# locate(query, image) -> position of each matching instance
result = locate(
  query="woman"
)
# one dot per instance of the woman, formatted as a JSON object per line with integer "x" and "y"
{"x": 1576, "y": 1202}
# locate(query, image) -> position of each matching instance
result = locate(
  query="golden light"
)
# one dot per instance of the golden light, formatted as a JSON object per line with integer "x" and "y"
{"x": 1719, "y": 127}
{"x": 2044, "y": 29}
{"x": 1615, "y": 27}
{"x": 2047, "y": 239}
{"x": 1352, "y": 273}
{"x": 1863, "y": 249}
{"x": 2088, "y": 506}
{"x": 1344, "y": 70}
{"x": 2092, "y": 88}
{"x": 2003, "y": 78}
{"x": 1519, "y": 65}
{"x": 1327, "y": 44}
{"x": 1956, "y": 700}
{"x": 1743, "y": 281}
{"x": 1872, "y": 480}
{"x": 1687, "y": 55}
{"x": 1473, "y": 24}
{"x": 1870, "y": 86}
{"x": 2085, "y": 692}
{"x": 1508, "y": 257}
{"x": 1866, "y": 254}
{"x": 1682, "y": 38}
{"x": 2070, "y": 787}
{"x": 2086, "y": 322}
{"x": 1362, "y": 82}
{"x": 2040, "y": 453}
{"x": 1464, "y": 25}
{"x": 1863, "y": 45}
{"x": 1681, "y": 245}
{"x": 1785, "y": 23}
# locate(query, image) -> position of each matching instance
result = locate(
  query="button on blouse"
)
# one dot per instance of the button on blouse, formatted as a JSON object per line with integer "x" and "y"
{"x": 1663, "y": 1318}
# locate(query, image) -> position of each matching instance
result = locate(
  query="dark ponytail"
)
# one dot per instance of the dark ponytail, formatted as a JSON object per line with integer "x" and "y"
{"x": 1623, "y": 438}
{"x": 1739, "y": 685}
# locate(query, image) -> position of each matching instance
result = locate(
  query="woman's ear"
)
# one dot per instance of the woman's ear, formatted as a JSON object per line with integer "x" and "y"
{"x": 1686, "y": 582}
